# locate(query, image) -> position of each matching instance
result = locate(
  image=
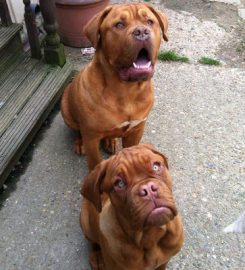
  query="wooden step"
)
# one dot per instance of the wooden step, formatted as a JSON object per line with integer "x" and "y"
{"x": 15, "y": 75}
{"x": 11, "y": 49}
{"x": 8, "y": 33}
{"x": 9, "y": 57}
{"x": 19, "y": 129}
{"x": 26, "y": 88}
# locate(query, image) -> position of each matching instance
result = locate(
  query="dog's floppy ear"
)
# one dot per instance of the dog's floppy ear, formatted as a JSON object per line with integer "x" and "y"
{"x": 151, "y": 147}
{"x": 91, "y": 188}
{"x": 91, "y": 29}
{"x": 163, "y": 21}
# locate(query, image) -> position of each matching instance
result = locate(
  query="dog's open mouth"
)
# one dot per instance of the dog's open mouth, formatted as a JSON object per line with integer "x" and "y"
{"x": 141, "y": 68}
{"x": 142, "y": 61}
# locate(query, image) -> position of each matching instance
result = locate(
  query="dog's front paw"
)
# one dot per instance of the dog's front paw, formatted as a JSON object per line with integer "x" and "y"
{"x": 109, "y": 145}
{"x": 78, "y": 147}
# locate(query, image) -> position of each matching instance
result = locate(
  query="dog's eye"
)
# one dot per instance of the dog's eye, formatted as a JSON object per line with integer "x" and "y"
{"x": 150, "y": 22}
{"x": 120, "y": 25}
{"x": 156, "y": 166}
{"x": 120, "y": 183}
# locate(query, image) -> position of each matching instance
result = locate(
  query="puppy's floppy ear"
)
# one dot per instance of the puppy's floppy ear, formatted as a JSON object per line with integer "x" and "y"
{"x": 91, "y": 29}
{"x": 91, "y": 188}
{"x": 163, "y": 21}
{"x": 151, "y": 147}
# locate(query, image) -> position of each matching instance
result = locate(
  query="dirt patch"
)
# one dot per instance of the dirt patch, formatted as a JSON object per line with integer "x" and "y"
{"x": 223, "y": 14}
{"x": 226, "y": 16}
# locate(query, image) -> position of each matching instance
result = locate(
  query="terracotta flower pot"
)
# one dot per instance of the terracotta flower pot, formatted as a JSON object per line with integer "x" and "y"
{"x": 72, "y": 16}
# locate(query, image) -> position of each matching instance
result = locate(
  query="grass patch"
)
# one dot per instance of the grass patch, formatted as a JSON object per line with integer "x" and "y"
{"x": 209, "y": 61}
{"x": 172, "y": 56}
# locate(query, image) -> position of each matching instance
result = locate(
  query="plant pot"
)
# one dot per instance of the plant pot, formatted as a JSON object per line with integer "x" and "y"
{"x": 72, "y": 16}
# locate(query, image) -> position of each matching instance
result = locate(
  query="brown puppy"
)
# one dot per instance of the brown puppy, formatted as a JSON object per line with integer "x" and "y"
{"x": 129, "y": 213}
{"x": 112, "y": 96}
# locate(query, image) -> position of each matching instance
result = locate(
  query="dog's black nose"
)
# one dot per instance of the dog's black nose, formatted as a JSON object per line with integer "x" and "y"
{"x": 141, "y": 33}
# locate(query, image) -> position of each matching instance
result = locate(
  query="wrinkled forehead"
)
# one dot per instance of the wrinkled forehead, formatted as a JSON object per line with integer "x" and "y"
{"x": 129, "y": 162}
{"x": 129, "y": 12}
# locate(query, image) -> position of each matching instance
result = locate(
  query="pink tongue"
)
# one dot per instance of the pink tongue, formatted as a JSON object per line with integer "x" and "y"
{"x": 141, "y": 62}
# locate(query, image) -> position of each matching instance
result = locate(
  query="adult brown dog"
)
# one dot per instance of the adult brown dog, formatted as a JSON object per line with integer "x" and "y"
{"x": 129, "y": 213}
{"x": 112, "y": 96}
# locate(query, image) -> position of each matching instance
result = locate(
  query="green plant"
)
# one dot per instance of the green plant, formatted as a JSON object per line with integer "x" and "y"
{"x": 172, "y": 56}
{"x": 209, "y": 61}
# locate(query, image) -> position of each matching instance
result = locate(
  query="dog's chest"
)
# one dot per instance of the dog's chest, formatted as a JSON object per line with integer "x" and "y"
{"x": 121, "y": 125}
{"x": 123, "y": 115}
{"x": 128, "y": 125}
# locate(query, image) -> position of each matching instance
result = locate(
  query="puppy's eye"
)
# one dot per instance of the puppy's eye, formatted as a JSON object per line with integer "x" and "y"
{"x": 156, "y": 167}
{"x": 150, "y": 22}
{"x": 120, "y": 183}
{"x": 120, "y": 25}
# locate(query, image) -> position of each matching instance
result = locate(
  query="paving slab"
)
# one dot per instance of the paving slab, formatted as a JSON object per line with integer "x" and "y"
{"x": 39, "y": 217}
{"x": 198, "y": 121}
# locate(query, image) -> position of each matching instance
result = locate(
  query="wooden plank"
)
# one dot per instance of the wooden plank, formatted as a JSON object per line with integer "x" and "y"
{"x": 12, "y": 82}
{"x": 15, "y": 140}
{"x": 8, "y": 33}
{"x": 10, "y": 67}
{"x": 9, "y": 53}
{"x": 22, "y": 94}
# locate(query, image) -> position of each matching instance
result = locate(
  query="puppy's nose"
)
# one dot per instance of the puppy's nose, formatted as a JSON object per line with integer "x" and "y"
{"x": 148, "y": 190}
{"x": 141, "y": 33}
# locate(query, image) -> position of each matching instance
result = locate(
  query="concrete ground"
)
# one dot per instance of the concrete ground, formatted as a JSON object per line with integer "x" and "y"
{"x": 198, "y": 121}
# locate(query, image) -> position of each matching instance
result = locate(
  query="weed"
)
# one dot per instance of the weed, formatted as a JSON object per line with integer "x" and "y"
{"x": 209, "y": 61}
{"x": 172, "y": 56}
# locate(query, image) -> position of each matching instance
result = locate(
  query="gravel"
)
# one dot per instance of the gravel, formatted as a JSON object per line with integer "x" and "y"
{"x": 193, "y": 38}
